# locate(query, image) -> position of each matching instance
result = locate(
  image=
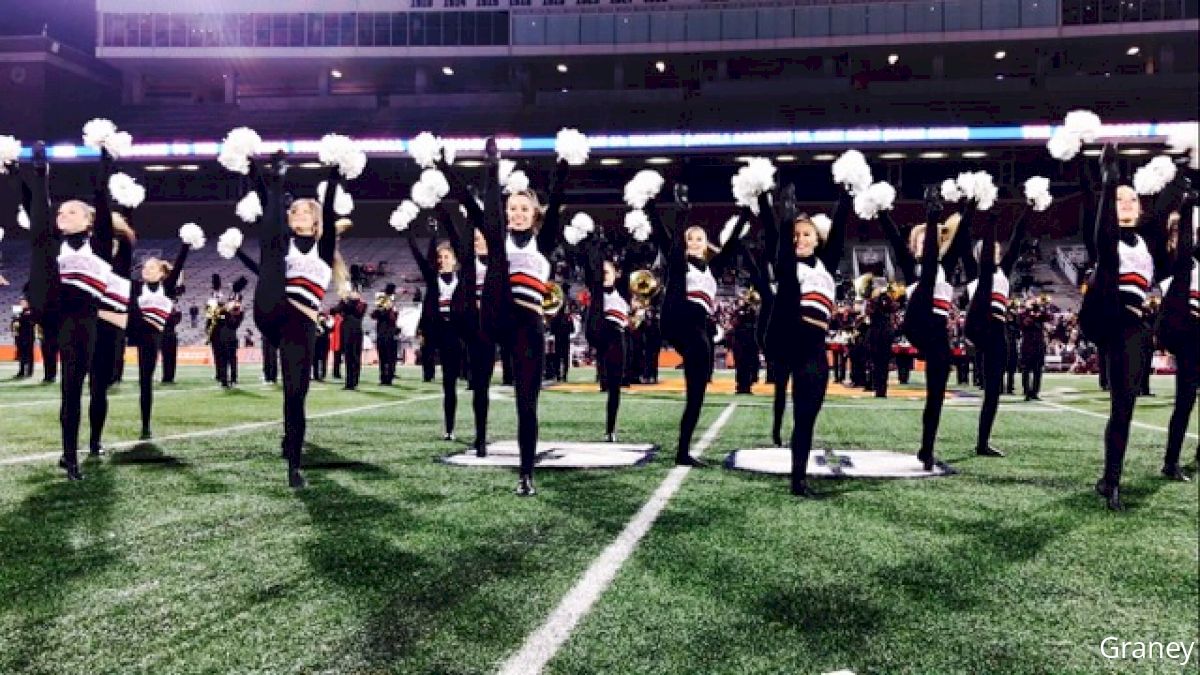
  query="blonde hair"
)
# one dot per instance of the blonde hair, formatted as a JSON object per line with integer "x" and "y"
{"x": 539, "y": 213}
{"x": 946, "y": 232}
{"x": 165, "y": 266}
{"x": 314, "y": 207}
{"x": 88, "y": 210}
{"x": 805, "y": 219}
{"x": 122, "y": 229}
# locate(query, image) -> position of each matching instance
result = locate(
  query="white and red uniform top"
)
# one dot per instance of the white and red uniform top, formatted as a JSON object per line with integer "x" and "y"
{"x": 155, "y": 306}
{"x": 116, "y": 294}
{"x": 817, "y": 293}
{"x": 446, "y": 293}
{"x": 1000, "y": 291}
{"x": 1135, "y": 273}
{"x": 943, "y": 294}
{"x": 702, "y": 288}
{"x": 616, "y": 309}
{"x": 1193, "y": 290}
{"x": 528, "y": 273}
{"x": 308, "y": 276}
{"x": 84, "y": 270}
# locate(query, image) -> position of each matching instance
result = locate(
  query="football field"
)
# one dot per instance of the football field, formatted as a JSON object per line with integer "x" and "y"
{"x": 189, "y": 553}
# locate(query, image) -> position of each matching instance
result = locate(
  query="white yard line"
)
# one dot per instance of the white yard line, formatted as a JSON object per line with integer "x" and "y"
{"x": 157, "y": 394}
{"x": 1089, "y": 413}
{"x": 249, "y": 426}
{"x": 544, "y": 643}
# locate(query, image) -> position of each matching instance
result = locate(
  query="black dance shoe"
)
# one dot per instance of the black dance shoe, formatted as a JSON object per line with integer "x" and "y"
{"x": 1175, "y": 474}
{"x": 927, "y": 459}
{"x": 801, "y": 489}
{"x": 525, "y": 487}
{"x": 146, "y": 434}
{"x": 777, "y": 439}
{"x": 688, "y": 460}
{"x": 448, "y": 436}
{"x": 1112, "y": 496}
{"x": 988, "y": 451}
{"x": 610, "y": 438}
{"x": 480, "y": 449}
{"x": 96, "y": 451}
{"x": 296, "y": 479}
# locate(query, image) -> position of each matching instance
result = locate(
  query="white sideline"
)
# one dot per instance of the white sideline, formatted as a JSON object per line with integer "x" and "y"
{"x": 544, "y": 643}
{"x": 249, "y": 426}
{"x": 1140, "y": 425}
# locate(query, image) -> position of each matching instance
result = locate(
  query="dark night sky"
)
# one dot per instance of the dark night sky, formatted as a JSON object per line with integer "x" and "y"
{"x": 72, "y": 21}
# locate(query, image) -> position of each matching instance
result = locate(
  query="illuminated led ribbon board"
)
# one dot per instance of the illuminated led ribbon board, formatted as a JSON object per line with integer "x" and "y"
{"x": 659, "y": 142}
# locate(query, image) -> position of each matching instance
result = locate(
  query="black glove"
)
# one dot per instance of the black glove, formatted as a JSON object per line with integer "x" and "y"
{"x": 39, "y": 156}
{"x": 240, "y": 284}
{"x": 558, "y": 182}
{"x": 491, "y": 152}
{"x": 681, "y": 196}
{"x": 1110, "y": 171}
{"x": 216, "y": 282}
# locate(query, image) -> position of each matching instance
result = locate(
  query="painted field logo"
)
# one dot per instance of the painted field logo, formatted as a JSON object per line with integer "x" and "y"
{"x": 1114, "y": 648}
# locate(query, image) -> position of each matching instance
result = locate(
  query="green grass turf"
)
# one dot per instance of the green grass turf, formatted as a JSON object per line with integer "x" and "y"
{"x": 192, "y": 555}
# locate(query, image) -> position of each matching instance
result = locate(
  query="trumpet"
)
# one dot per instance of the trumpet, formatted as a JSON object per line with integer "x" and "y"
{"x": 751, "y": 298}
{"x": 553, "y": 301}
{"x": 643, "y": 284}
{"x": 384, "y": 301}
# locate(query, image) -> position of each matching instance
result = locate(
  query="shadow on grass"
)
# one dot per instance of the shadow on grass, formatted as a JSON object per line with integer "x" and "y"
{"x": 54, "y": 541}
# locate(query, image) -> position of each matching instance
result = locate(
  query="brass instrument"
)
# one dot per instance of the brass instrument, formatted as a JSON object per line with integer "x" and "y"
{"x": 751, "y": 298}
{"x": 384, "y": 301}
{"x": 553, "y": 301}
{"x": 862, "y": 285}
{"x": 643, "y": 284}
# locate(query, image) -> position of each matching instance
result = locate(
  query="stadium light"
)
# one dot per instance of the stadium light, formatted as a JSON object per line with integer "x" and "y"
{"x": 335, "y": 74}
{"x": 1135, "y": 152}
{"x": 893, "y": 59}
{"x": 999, "y": 76}
{"x": 785, "y": 158}
{"x": 659, "y": 160}
{"x": 188, "y": 167}
{"x": 974, "y": 154}
{"x": 447, "y": 71}
{"x": 1000, "y": 55}
{"x": 660, "y": 66}
{"x": 610, "y": 161}
{"x": 825, "y": 157}
{"x": 933, "y": 155}
{"x": 1133, "y": 51}
{"x": 893, "y": 155}
{"x": 562, "y": 67}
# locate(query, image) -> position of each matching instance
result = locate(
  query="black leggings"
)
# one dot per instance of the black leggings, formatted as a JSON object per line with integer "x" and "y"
{"x": 610, "y": 350}
{"x": 933, "y": 340}
{"x": 50, "y": 324}
{"x": 1187, "y": 375}
{"x": 782, "y": 374}
{"x": 450, "y": 350}
{"x": 76, "y": 332}
{"x": 148, "y": 348}
{"x": 170, "y": 350}
{"x": 810, "y": 378}
{"x": 104, "y": 358}
{"x": 1125, "y": 366}
{"x": 994, "y": 351}
{"x": 297, "y": 337}
{"x": 692, "y": 341}
{"x": 528, "y": 349}
{"x": 482, "y": 354}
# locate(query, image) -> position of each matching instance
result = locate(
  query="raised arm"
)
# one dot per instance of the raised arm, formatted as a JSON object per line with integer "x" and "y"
{"x": 246, "y": 260}
{"x": 172, "y": 279}
{"x": 327, "y": 246}
{"x": 726, "y": 255}
{"x": 1014, "y": 243}
{"x": 904, "y": 257}
{"x": 551, "y": 231}
{"x": 961, "y": 244}
{"x": 929, "y": 250}
{"x": 835, "y": 243}
{"x": 423, "y": 264}
{"x": 102, "y": 228}
{"x": 459, "y": 190}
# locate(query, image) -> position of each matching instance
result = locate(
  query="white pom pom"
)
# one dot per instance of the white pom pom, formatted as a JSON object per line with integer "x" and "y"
{"x": 229, "y": 242}
{"x": 851, "y": 171}
{"x": 1186, "y": 138}
{"x": 517, "y": 182}
{"x": 1154, "y": 176}
{"x": 978, "y": 187}
{"x": 573, "y": 235}
{"x": 727, "y": 230}
{"x": 125, "y": 191}
{"x": 438, "y": 180}
{"x": 250, "y": 208}
{"x": 823, "y": 225}
{"x": 342, "y": 152}
{"x": 424, "y": 195}
{"x": 239, "y": 146}
{"x": 119, "y": 144}
{"x": 97, "y": 131}
{"x": 572, "y": 146}
{"x": 643, "y": 187}
{"x": 506, "y": 167}
{"x": 951, "y": 192}
{"x": 192, "y": 235}
{"x": 404, "y": 215}
{"x": 1083, "y": 123}
{"x": 878, "y": 197}
{"x": 637, "y": 223}
{"x": 1037, "y": 193}
{"x": 1064, "y": 145}
{"x": 424, "y": 149}
{"x": 583, "y": 222}
{"x": 10, "y": 151}
{"x": 22, "y": 217}
{"x": 343, "y": 203}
